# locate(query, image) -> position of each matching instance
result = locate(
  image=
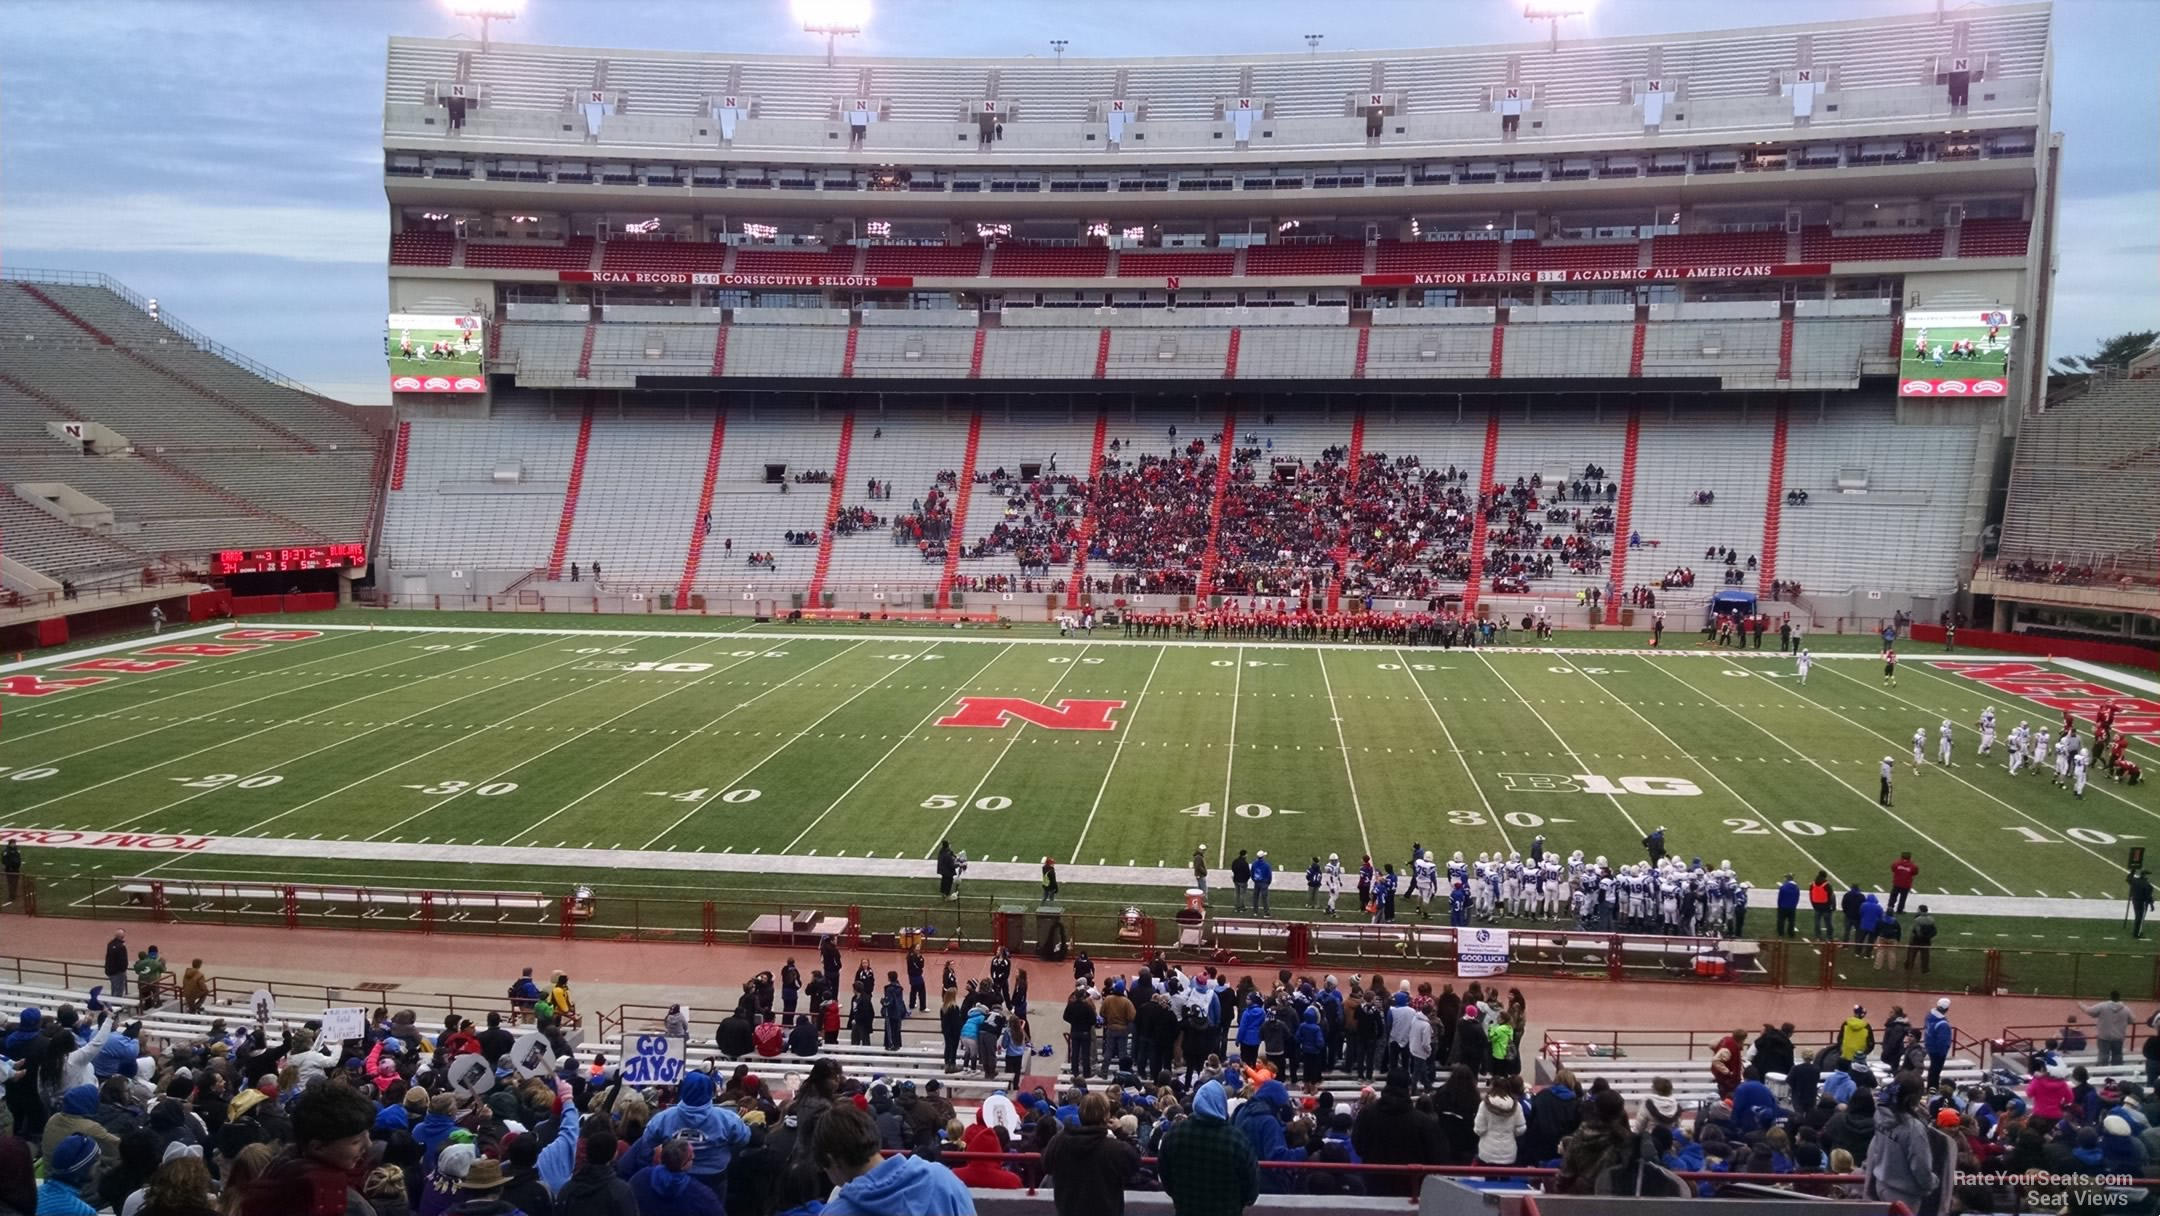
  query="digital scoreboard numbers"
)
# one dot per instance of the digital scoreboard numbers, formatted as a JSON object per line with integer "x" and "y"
{"x": 274, "y": 561}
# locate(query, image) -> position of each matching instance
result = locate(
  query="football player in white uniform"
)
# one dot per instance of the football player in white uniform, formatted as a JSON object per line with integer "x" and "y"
{"x": 1806, "y": 661}
{"x": 2078, "y": 767}
{"x": 2062, "y": 759}
{"x": 1942, "y": 743}
{"x": 1919, "y": 747}
{"x": 1331, "y": 877}
{"x": 1987, "y": 731}
{"x": 2042, "y": 747}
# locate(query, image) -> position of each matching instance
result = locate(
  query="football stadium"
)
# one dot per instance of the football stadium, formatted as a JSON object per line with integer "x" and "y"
{"x": 1591, "y": 513}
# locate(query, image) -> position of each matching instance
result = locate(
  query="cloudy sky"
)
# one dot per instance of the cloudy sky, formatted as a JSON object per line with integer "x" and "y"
{"x": 223, "y": 156}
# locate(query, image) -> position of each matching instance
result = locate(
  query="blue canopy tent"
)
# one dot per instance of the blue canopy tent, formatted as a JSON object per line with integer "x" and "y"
{"x": 1733, "y": 603}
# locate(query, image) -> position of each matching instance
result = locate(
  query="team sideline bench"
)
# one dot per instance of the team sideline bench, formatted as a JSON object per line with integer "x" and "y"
{"x": 144, "y": 890}
{"x": 1528, "y": 945}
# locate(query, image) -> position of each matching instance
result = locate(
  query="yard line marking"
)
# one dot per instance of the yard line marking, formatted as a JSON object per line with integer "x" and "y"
{"x": 897, "y": 745}
{"x": 649, "y": 701}
{"x": 2104, "y": 859}
{"x": 689, "y": 735}
{"x": 208, "y": 714}
{"x": 342, "y": 740}
{"x": 1572, "y": 755}
{"x": 1123, "y": 735}
{"x": 1856, "y": 791}
{"x": 1237, "y": 684}
{"x": 1344, "y": 744}
{"x": 1449, "y": 735}
{"x": 1708, "y": 772}
{"x": 792, "y": 741}
{"x": 275, "y": 725}
{"x": 1018, "y": 729}
{"x": 1956, "y": 725}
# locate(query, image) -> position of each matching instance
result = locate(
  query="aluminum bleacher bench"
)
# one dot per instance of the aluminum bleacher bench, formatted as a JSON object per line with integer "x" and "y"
{"x": 141, "y": 889}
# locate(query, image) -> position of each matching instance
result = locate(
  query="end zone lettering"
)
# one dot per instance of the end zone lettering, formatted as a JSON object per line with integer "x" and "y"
{"x": 106, "y": 840}
{"x": 2137, "y": 717}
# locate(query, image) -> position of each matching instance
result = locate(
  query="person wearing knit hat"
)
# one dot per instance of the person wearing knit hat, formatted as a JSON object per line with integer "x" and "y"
{"x": 452, "y": 1164}
{"x": 68, "y": 1169}
{"x": 1948, "y": 1119}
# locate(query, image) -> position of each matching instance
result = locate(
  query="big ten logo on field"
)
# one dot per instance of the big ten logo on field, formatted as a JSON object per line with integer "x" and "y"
{"x": 995, "y": 712}
{"x": 1591, "y": 783}
{"x": 628, "y": 665}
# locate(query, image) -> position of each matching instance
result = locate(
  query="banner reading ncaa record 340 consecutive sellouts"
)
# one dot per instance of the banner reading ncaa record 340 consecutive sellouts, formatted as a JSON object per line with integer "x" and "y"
{"x": 436, "y": 353}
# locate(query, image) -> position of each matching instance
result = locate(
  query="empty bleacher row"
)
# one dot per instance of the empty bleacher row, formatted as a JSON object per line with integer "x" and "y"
{"x": 1011, "y": 260}
{"x": 2085, "y": 481}
{"x": 211, "y": 454}
{"x": 1888, "y": 499}
{"x": 1739, "y": 345}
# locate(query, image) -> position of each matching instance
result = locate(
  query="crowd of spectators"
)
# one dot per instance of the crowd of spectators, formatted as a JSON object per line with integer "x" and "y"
{"x": 1151, "y": 518}
{"x": 1409, "y": 527}
{"x": 927, "y": 525}
{"x": 1039, "y": 524}
{"x": 1281, "y": 523}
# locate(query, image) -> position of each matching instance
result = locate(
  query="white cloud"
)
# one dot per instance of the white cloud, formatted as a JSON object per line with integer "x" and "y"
{"x": 161, "y": 223}
{"x": 2104, "y": 280}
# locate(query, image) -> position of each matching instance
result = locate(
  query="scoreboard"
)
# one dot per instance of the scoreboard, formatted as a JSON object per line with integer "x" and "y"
{"x": 311, "y": 557}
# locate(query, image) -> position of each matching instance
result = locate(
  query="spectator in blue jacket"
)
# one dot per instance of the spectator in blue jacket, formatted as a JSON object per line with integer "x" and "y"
{"x": 667, "y": 1188}
{"x": 1249, "y": 1025}
{"x": 1263, "y": 874}
{"x": 714, "y": 1132}
{"x": 1260, "y": 1121}
{"x": 1312, "y": 1048}
{"x": 846, "y": 1149}
{"x": 1788, "y": 908}
{"x": 1935, "y": 1040}
{"x": 1870, "y": 918}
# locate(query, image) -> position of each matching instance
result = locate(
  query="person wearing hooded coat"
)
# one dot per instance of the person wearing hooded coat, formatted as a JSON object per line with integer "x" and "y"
{"x": 1900, "y": 1161}
{"x": 1601, "y": 1143}
{"x": 715, "y": 1132}
{"x": 1207, "y": 1167}
{"x": 1088, "y": 1166}
{"x": 1555, "y": 1112}
{"x": 595, "y": 1189}
{"x": 1312, "y": 1047}
{"x": 985, "y": 1174}
{"x": 1391, "y": 1131}
{"x": 668, "y": 1188}
{"x": 1853, "y": 1129}
{"x": 1260, "y": 1121}
{"x": 1499, "y": 1126}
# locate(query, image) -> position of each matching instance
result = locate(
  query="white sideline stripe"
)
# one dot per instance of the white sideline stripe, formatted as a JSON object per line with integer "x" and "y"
{"x": 2094, "y": 669}
{"x": 177, "y": 635}
{"x": 882, "y": 867}
{"x": 919, "y": 637}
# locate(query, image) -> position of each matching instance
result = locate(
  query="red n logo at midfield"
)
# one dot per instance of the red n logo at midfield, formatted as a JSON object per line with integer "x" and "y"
{"x": 995, "y": 712}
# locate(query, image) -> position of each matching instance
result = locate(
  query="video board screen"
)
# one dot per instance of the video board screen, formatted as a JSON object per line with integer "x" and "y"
{"x": 436, "y": 353}
{"x": 1958, "y": 353}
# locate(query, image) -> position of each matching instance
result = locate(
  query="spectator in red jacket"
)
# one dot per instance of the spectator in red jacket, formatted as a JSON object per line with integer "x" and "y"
{"x": 1902, "y": 873}
{"x": 987, "y": 1175}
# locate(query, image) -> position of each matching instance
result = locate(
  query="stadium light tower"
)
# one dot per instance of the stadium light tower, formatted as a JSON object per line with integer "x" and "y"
{"x": 1551, "y": 14}
{"x": 1312, "y": 43}
{"x": 834, "y": 19}
{"x": 486, "y": 12}
{"x": 1058, "y": 45}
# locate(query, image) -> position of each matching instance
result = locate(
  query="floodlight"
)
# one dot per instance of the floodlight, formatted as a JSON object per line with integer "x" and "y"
{"x": 487, "y": 12}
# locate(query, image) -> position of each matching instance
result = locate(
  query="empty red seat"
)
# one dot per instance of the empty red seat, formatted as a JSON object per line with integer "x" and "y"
{"x": 422, "y": 248}
{"x": 942, "y": 261}
{"x": 1335, "y": 257}
{"x": 1050, "y": 261}
{"x": 1819, "y": 244}
{"x": 1717, "y": 248}
{"x": 574, "y": 254}
{"x": 1536, "y": 255}
{"x": 1139, "y": 264}
{"x": 795, "y": 261}
{"x": 689, "y": 257}
{"x": 1993, "y": 238}
{"x": 1424, "y": 257}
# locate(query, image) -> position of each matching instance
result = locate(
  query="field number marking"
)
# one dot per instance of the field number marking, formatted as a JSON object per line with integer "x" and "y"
{"x": 1090, "y": 662}
{"x": 907, "y": 658}
{"x": 443, "y": 788}
{"x": 27, "y": 774}
{"x": 1243, "y": 810}
{"x": 1588, "y": 671}
{"x": 1793, "y": 827}
{"x": 947, "y": 802}
{"x": 259, "y": 781}
{"x": 2031, "y": 835}
{"x": 1412, "y": 667}
{"x": 698, "y": 795}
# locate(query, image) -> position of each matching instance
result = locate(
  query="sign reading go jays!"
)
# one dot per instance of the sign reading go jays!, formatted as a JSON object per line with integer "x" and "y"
{"x": 654, "y": 1059}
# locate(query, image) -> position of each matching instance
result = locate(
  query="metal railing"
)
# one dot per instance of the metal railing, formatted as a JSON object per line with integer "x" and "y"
{"x": 187, "y": 333}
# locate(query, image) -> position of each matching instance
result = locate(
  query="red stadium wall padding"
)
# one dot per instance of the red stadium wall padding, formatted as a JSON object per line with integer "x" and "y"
{"x": 209, "y": 605}
{"x": 52, "y": 631}
{"x": 257, "y": 605}
{"x": 311, "y": 601}
{"x": 2027, "y": 643}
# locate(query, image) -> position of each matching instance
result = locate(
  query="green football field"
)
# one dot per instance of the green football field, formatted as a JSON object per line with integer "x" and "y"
{"x": 1986, "y": 361}
{"x": 767, "y": 759}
